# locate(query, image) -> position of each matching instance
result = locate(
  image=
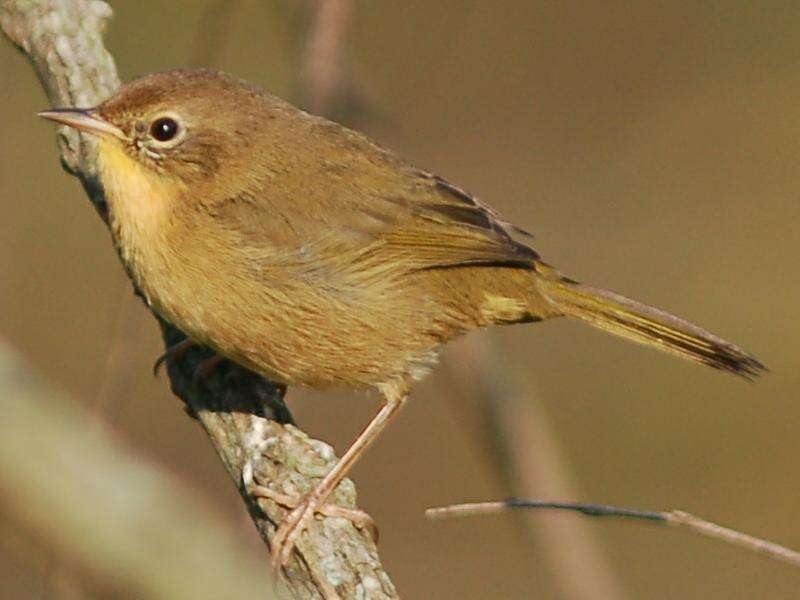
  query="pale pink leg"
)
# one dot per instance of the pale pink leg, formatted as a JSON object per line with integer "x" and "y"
{"x": 298, "y": 519}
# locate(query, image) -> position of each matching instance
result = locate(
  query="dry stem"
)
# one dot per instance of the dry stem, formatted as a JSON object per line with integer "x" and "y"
{"x": 677, "y": 518}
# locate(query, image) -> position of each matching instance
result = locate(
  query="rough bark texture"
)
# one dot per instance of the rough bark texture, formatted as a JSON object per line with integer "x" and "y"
{"x": 243, "y": 414}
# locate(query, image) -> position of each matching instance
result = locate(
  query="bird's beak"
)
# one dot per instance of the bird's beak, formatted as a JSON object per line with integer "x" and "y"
{"x": 83, "y": 120}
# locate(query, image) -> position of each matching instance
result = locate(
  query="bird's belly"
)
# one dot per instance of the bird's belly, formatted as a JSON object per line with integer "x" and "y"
{"x": 299, "y": 335}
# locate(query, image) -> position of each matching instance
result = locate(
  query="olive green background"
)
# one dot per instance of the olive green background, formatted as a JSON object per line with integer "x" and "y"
{"x": 651, "y": 147}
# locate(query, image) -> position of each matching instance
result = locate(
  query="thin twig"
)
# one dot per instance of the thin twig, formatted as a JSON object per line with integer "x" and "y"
{"x": 676, "y": 518}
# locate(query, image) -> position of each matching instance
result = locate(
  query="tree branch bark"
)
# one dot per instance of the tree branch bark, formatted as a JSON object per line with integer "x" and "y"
{"x": 242, "y": 413}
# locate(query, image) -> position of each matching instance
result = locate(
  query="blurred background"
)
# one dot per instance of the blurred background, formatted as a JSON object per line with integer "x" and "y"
{"x": 652, "y": 149}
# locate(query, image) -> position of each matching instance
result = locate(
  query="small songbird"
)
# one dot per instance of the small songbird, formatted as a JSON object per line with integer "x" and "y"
{"x": 306, "y": 252}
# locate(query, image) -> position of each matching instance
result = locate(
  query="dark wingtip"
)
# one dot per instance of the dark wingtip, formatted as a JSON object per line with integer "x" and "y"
{"x": 735, "y": 360}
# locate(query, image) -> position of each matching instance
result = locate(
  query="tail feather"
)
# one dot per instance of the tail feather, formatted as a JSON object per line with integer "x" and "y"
{"x": 641, "y": 323}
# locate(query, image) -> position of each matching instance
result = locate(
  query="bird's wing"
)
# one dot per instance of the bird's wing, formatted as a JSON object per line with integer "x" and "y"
{"x": 442, "y": 226}
{"x": 364, "y": 203}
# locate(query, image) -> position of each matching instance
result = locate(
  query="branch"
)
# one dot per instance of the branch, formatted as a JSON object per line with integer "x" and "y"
{"x": 242, "y": 413}
{"x": 676, "y": 518}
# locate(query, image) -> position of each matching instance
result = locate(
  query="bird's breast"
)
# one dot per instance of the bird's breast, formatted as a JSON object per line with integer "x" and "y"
{"x": 147, "y": 228}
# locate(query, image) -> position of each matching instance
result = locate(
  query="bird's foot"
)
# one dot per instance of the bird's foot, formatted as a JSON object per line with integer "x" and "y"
{"x": 174, "y": 352}
{"x": 300, "y": 517}
{"x": 179, "y": 350}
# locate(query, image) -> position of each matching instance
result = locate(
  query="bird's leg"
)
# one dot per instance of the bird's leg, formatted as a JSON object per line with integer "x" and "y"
{"x": 298, "y": 519}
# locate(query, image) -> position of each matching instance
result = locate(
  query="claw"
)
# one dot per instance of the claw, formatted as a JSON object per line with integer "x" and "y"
{"x": 174, "y": 352}
{"x": 300, "y": 516}
{"x": 291, "y": 528}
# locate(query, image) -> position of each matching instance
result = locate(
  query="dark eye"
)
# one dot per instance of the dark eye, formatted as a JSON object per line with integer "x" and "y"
{"x": 164, "y": 129}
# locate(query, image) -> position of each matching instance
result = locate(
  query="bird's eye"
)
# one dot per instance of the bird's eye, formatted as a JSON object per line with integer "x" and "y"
{"x": 164, "y": 129}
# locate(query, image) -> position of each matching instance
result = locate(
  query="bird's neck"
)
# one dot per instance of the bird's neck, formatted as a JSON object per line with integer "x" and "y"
{"x": 140, "y": 206}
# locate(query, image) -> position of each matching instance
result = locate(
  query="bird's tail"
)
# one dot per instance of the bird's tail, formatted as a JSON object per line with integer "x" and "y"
{"x": 649, "y": 326}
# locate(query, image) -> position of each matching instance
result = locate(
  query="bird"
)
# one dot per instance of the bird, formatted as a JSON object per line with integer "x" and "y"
{"x": 308, "y": 253}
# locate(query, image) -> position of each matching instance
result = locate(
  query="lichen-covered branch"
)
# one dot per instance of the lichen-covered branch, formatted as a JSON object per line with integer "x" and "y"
{"x": 242, "y": 413}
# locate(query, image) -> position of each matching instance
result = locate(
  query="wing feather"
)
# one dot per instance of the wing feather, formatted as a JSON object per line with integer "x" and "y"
{"x": 353, "y": 198}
